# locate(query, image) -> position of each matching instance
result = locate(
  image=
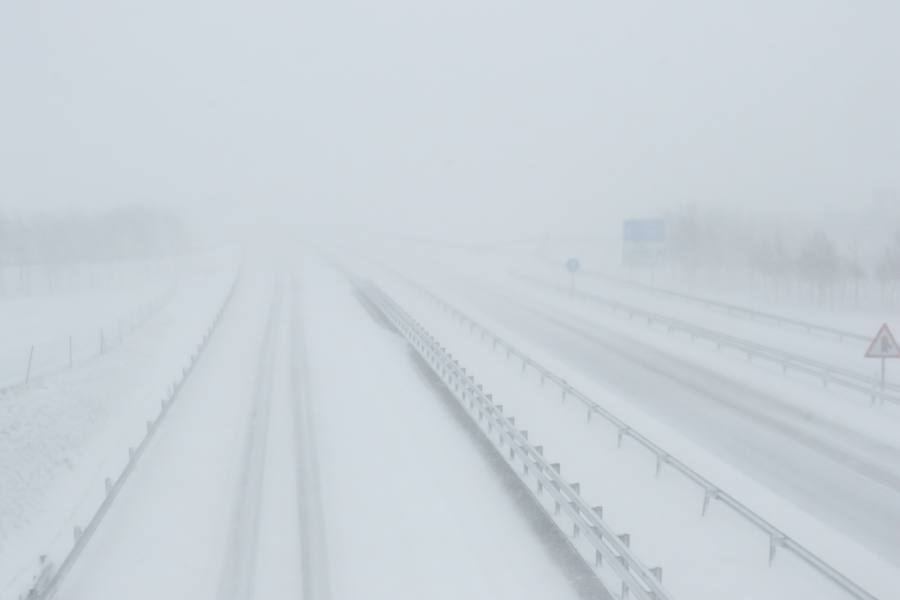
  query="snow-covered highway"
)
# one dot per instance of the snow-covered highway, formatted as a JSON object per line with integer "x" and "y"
{"x": 449, "y": 300}
{"x": 308, "y": 455}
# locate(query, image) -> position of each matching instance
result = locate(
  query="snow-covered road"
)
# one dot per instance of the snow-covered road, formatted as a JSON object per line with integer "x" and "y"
{"x": 166, "y": 534}
{"x": 308, "y": 456}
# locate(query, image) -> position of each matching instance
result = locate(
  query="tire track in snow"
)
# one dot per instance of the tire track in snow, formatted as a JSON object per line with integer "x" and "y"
{"x": 236, "y": 579}
{"x": 313, "y": 548}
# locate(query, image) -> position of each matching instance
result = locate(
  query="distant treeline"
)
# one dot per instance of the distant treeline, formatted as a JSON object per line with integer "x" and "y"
{"x": 842, "y": 263}
{"x": 126, "y": 233}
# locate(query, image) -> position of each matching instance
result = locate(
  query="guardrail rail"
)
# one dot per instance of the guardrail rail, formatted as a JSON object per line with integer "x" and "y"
{"x": 734, "y": 309}
{"x": 610, "y": 549}
{"x": 825, "y": 372}
{"x": 729, "y": 308}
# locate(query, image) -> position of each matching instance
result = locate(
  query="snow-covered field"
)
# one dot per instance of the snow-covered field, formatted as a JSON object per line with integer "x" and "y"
{"x": 48, "y": 333}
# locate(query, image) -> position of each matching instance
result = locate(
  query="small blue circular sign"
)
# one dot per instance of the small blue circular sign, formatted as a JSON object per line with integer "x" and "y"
{"x": 573, "y": 265}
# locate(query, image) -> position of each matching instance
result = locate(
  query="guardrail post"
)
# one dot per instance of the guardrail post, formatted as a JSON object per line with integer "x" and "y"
{"x": 708, "y": 495}
{"x": 774, "y": 543}
{"x": 626, "y": 539}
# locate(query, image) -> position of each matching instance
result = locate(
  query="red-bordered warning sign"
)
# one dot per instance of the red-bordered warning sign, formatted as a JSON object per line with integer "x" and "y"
{"x": 883, "y": 345}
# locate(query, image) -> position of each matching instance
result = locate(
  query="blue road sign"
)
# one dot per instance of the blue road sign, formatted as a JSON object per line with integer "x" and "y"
{"x": 573, "y": 265}
{"x": 644, "y": 230}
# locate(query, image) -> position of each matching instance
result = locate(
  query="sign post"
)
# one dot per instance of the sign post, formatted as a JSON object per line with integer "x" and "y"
{"x": 643, "y": 242}
{"x": 883, "y": 346}
{"x": 572, "y": 266}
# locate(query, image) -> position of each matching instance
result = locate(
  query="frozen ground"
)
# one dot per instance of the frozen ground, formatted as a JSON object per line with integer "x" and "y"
{"x": 312, "y": 457}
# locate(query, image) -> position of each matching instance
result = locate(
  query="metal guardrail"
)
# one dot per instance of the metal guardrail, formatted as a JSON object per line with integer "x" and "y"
{"x": 826, "y": 373}
{"x": 609, "y": 548}
{"x": 777, "y": 538}
{"x": 734, "y": 309}
{"x": 47, "y": 582}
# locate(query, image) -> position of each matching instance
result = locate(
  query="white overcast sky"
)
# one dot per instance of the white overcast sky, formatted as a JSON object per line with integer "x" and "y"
{"x": 500, "y": 115}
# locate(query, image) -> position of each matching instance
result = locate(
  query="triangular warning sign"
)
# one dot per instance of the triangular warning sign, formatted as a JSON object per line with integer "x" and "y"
{"x": 884, "y": 345}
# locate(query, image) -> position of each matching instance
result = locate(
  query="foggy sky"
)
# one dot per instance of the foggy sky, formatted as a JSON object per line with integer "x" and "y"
{"x": 501, "y": 116}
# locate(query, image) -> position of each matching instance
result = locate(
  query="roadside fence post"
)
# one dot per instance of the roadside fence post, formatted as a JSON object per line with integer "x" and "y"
{"x": 28, "y": 370}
